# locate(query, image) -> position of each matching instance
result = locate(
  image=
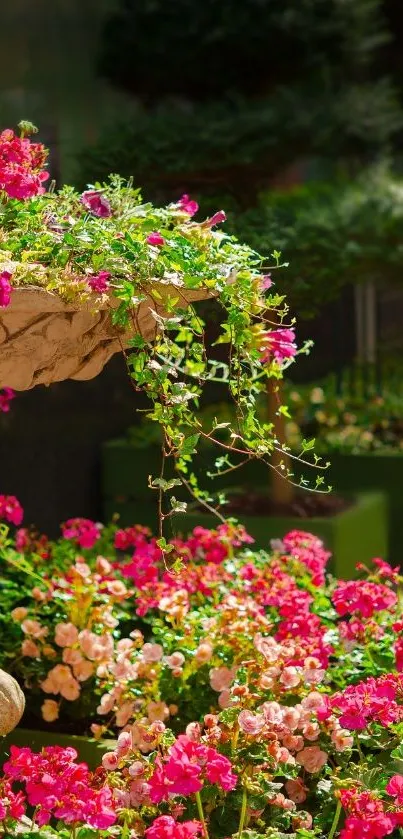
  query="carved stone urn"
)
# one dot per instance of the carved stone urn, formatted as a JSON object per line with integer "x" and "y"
{"x": 12, "y": 703}
{"x": 45, "y": 340}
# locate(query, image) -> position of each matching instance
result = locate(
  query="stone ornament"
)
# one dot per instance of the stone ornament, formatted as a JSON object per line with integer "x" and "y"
{"x": 45, "y": 340}
{"x": 12, "y": 703}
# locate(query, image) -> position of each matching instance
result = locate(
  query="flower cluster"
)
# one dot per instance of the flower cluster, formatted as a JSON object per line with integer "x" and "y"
{"x": 7, "y": 394}
{"x": 21, "y": 166}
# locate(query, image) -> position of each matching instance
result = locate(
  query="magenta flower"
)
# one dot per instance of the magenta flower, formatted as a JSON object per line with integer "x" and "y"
{"x": 155, "y": 239}
{"x": 165, "y": 827}
{"x": 10, "y": 509}
{"x": 188, "y": 206}
{"x": 278, "y": 343}
{"x": 100, "y": 282}
{"x": 96, "y": 203}
{"x": 5, "y": 289}
{"x": 6, "y": 396}
{"x": 84, "y": 531}
{"x": 217, "y": 218}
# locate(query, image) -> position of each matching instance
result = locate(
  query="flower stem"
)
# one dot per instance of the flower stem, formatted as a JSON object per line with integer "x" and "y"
{"x": 243, "y": 813}
{"x": 335, "y": 820}
{"x": 201, "y": 814}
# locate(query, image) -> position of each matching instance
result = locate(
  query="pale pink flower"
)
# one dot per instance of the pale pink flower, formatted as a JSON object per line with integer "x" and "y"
{"x": 157, "y": 711}
{"x": 204, "y": 652}
{"x": 225, "y": 699}
{"x": 312, "y": 758}
{"x": 293, "y": 742}
{"x": 221, "y": 678}
{"x": 174, "y": 661}
{"x": 342, "y": 740}
{"x": 136, "y": 769}
{"x": 50, "y": 710}
{"x": 313, "y": 702}
{"x": 66, "y": 634}
{"x": 291, "y": 718}
{"x": 125, "y": 645}
{"x": 273, "y": 713}
{"x": 106, "y": 704}
{"x": 124, "y": 743}
{"x": 311, "y": 731}
{"x": 250, "y": 723}
{"x": 194, "y": 731}
{"x": 290, "y": 678}
{"x": 30, "y": 649}
{"x": 110, "y": 761}
{"x": 152, "y": 652}
{"x": 82, "y": 569}
{"x": 268, "y": 647}
{"x": 38, "y": 594}
{"x": 124, "y": 713}
{"x": 117, "y": 588}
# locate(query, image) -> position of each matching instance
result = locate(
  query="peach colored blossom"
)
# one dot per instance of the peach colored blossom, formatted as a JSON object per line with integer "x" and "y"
{"x": 290, "y": 678}
{"x": 106, "y": 704}
{"x": 30, "y": 627}
{"x": 284, "y": 756}
{"x": 108, "y": 620}
{"x": 40, "y": 596}
{"x": 125, "y": 645}
{"x": 83, "y": 670}
{"x": 102, "y": 565}
{"x": 296, "y": 790}
{"x": 50, "y": 710}
{"x": 313, "y": 702}
{"x": 19, "y": 613}
{"x": 204, "y": 652}
{"x": 152, "y": 652}
{"x": 48, "y": 651}
{"x": 157, "y": 711}
{"x": 293, "y": 742}
{"x": 70, "y": 689}
{"x": 66, "y": 634}
{"x": 225, "y": 699}
{"x": 71, "y": 656}
{"x": 302, "y": 820}
{"x": 312, "y": 758}
{"x": 221, "y": 678}
{"x": 268, "y": 647}
{"x": 124, "y": 713}
{"x": 82, "y": 569}
{"x": 30, "y": 649}
{"x": 311, "y": 731}
{"x": 96, "y": 647}
{"x": 175, "y": 660}
{"x": 97, "y": 730}
{"x": 124, "y": 743}
{"x": 342, "y": 740}
{"x": 194, "y": 731}
{"x": 117, "y": 588}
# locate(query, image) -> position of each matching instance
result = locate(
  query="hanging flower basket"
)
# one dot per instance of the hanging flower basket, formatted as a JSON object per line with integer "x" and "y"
{"x": 45, "y": 340}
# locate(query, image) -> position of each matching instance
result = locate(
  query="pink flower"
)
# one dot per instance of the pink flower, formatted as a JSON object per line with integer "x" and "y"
{"x": 175, "y": 660}
{"x": 395, "y": 788}
{"x": 6, "y": 396}
{"x": 96, "y": 203}
{"x": 66, "y": 634}
{"x": 312, "y": 758}
{"x": 100, "y": 282}
{"x": 278, "y": 343}
{"x": 187, "y": 205}
{"x": 290, "y": 678}
{"x": 165, "y": 827}
{"x": 84, "y": 531}
{"x": 155, "y": 239}
{"x": 266, "y": 282}
{"x": 30, "y": 649}
{"x": 204, "y": 652}
{"x": 217, "y": 218}
{"x": 152, "y": 652}
{"x": 110, "y": 761}
{"x": 296, "y": 790}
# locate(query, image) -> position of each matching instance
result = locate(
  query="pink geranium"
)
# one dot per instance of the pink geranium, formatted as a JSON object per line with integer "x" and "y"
{"x": 278, "y": 344}
{"x": 100, "y": 282}
{"x": 5, "y": 289}
{"x": 188, "y": 206}
{"x": 165, "y": 827}
{"x": 83, "y": 531}
{"x": 155, "y": 239}
{"x": 10, "y": 509}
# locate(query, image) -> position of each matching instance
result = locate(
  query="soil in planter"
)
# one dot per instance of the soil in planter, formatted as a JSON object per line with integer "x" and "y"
{"x": 305, "y": 505}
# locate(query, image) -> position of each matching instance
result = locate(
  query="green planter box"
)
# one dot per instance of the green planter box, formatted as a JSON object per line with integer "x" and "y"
{"x": 374, "y": 472}
{"x": 89, "y": 750}
{"x": 357, "y": 535}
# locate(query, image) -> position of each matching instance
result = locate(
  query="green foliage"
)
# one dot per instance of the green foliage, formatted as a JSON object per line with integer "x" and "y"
{"x": 331, "y": 234}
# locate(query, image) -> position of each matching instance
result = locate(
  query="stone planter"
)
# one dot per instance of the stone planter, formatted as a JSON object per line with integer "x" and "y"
{"x": 45, "y": 340}
{"x": 88, "y": 750}
{"x": 358, "y": 534}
